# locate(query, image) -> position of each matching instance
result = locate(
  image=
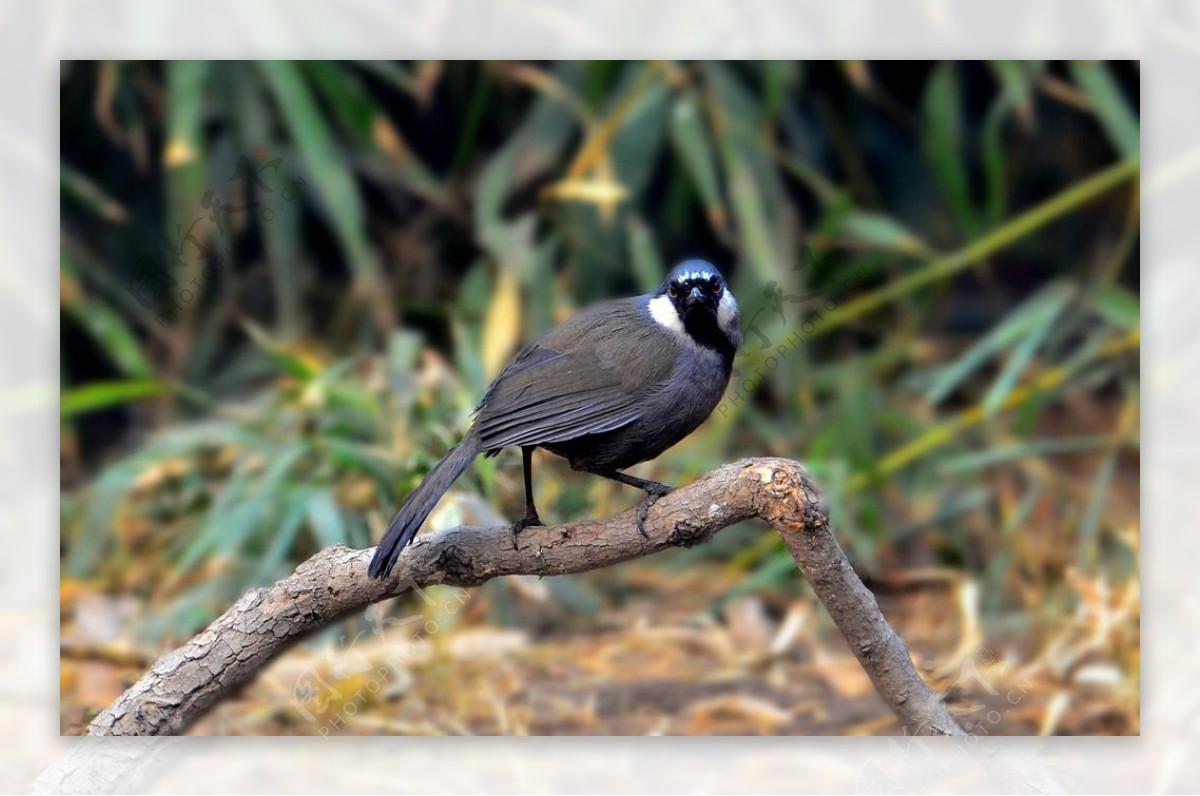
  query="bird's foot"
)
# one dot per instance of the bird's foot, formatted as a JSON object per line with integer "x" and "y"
{"x": 653, "y": 493}
{"x": 656, "y": 489}
{"x": 530, "y": 520}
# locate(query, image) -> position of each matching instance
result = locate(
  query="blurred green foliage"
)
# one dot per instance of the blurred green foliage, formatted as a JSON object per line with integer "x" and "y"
{"x": 935, "y": 258}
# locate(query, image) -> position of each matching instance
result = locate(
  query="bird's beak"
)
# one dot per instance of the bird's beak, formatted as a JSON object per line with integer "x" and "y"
{"x": 697, "y": 298}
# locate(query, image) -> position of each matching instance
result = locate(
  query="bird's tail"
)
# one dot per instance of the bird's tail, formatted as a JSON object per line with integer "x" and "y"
{"x": 407, "y": 522}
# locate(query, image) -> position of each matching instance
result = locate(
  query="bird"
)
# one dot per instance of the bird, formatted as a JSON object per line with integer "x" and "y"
{"x": 614, "y": 385}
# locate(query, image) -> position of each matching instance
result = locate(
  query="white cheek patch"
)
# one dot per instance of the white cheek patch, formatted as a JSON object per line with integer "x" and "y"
{"x": 727, "y": 312}
{"x": 664, "y": 314}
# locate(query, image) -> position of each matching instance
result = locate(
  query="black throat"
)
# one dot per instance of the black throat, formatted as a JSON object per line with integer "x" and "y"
{"x": 702, "y": 327}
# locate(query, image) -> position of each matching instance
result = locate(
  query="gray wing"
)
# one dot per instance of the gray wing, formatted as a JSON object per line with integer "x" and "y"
{"x": 528, "y": 404}
{"x": 588, "y": 376}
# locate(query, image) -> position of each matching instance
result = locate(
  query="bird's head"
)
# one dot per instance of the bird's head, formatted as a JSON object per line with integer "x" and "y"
{"x": 694, "y": 300}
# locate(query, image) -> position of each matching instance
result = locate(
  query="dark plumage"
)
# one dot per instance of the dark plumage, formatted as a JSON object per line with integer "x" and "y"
{"x": 615, "y": 385}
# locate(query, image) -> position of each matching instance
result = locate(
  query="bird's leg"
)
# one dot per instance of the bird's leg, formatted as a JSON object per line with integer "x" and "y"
{"x": 653, "y": 490}
{"x": 531, "y": 513}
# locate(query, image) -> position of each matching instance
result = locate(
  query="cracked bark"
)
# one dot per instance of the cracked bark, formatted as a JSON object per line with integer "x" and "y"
{"x": 183, "y": 684}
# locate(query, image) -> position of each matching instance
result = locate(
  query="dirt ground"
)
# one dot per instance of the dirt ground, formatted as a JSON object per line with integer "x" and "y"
{"x": 532, "y": 657}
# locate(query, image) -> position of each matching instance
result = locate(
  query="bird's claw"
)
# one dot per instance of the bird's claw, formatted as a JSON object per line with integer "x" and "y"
{"x": 652, "y": 496}
{"x": 528, "y": 521}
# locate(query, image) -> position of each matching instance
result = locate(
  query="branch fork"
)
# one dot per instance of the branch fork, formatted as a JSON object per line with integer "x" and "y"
{"x": 184, "y": 683}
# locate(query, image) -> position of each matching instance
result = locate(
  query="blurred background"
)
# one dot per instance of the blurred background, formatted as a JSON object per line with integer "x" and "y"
{"x": 285, "y": 285}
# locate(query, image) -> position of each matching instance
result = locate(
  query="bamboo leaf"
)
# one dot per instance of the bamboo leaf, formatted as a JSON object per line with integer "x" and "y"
{"x": 600, "y": 137}
{"x": 319, "y": 154}
{"x": 394, "y": 74}
{"x": 1089, "y": 525}
{"x": 942, "y": 139}
{"x": 993, "y": 160}
{"x": 284, "y": 534}
{"x": 290, "y": 363}
{"x": 1039, "y": 329}
{"x": 241, "y": 508}
{"x": 186, "y": 81}
{"x": 354, "y": 456}
{"x": 647, "y": 264}
{"x": 1118, "y": 119}
{"x": 690, "y": 139}
{"x": 1119, "y": 306}
{"x": 467, "y": 139}
{"x": 107, "y": 394}
{"x": 1008, "y": 233}
{"x": 882, "y": 232}
{"x": 325, "y": 518}
{"x": 975, "y": 460}
{"x": 335, "y": 192}
{"x": 537, "y": 283}
{"x": 998, "y": 567}
{"x": 503, "y": 325}
{"x": 531, "y": 151}
{"x": 1018, "y": 323}
{"x": 1016, "y": 94}
{"x": 340, "y": 88}
{"x": 283, "y": 233}
{"x": 639, "y": 140}
{"x": 108, "y": 328}
{"x": 1014, "y": 80}
{"x": 741, "y": 153}
{"x": 183, "y": 153}
{"x": 87, "y": 192}
{"x": 1044, "y": 383}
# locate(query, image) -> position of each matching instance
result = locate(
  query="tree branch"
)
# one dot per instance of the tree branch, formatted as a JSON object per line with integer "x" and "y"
{"x": 184, "y": 683}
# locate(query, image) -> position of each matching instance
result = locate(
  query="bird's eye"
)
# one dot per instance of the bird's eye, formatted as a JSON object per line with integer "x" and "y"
{"x": 672, "y": 292}
{"x": 716, "y": 287}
